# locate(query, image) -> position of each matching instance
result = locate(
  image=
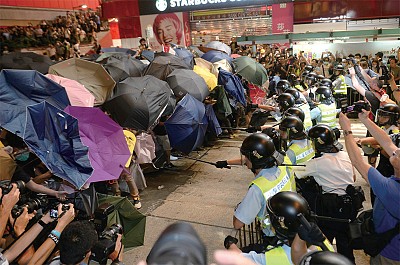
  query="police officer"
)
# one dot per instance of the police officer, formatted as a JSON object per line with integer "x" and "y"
{"x": 333, "y": 171}
{"x": 282, "y": 85}
{"x": 324, "y": 257}
{"x": 261, "y": 157}
{"x": 301, "y": 102}
{"x": 340, "y": 87}
{"x": 325, "y": 112}
{"x": 311, "y": 81}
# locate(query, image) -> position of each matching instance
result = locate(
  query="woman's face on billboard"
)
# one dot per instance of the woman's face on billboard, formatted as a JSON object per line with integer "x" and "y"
{"x": 167, "y": 32}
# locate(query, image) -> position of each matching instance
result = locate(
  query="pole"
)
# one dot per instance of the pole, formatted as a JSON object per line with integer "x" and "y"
{"x": 203, "y": 161}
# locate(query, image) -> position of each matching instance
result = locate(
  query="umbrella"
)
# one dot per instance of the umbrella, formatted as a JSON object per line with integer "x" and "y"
{"x": 119, "y": 50}
{"x": 215, "y": 56}
{"x": 203, "y": 63}
{"x": 223, "y": 64}
{"x": 195, "y": 50}
{"x": 208, "y": 77}
{"x": 213, "y": 124}
{"x": 138, "y": 102}
{"x": 183, "y": 81}
{"x": 251, "y": 70}
{"x": 219, "y": 46}
{"x": 170, "y": 106}
{"x": 149, "y": 55}
{"x": 78, "y": 95}
{"x": 101, "y": 58}
{"x": 108, "y": 150}
{"x": 163, "y": 64}
{"x": 187, "y": 125}
{"x": 186, "y": 55}
{"x": 26, "y": 61}
{"x": 130, "y": 139}
{"x": 123, "y": 66}
{"x": 21, "y": 88}
{"x": 232, "y": 85}
{"x": 92, "y": 75}
{"x": 53, "y": 136}
{"x": 133, "y": 222}
{"x": 234, "y": 55}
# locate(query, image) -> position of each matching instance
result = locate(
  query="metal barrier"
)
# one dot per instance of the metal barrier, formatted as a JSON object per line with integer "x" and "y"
{"x": 250, "y": 234}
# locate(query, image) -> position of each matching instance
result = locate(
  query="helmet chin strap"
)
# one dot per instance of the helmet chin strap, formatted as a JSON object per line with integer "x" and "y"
{"x": 279, "y": 157}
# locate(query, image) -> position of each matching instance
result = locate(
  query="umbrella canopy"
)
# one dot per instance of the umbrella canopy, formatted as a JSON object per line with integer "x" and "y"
{"x": 92, "y": 75}
{"x": 203, "y": 63}
{"x": 26, "y": 61}
{"x": 215, "y": 56}
{"x": 196, "y": 51}
{"x": 187, "y": 125}
{"x": 53, "y": 136}
{"x": 223, "y": 64}
{"x": 101, "y": 58}
{"x": 251, "y": 70}
{"x": 123, "y": 66}
{"x": 119, "y": 50}
{"x": 21, "y": 88}
{"x": 183, "y": 81}
{"x": 108, "y": 150}
{"x": 133, "y": 222}
{"x": 186, "y": 55}
{"x": 234, "y": 55}
{"x": 130, "y": 139}
{"x": 208, "y": 77}
{"x": 232, "y": 85}
{"x": 138, "y": 102}
{"x": 149, "y": 55}
{"x": 213, "y": 124}
{"x": 163, "y": 64}
{"x": 78, "y": 95}
{"x": 217, "y": 45}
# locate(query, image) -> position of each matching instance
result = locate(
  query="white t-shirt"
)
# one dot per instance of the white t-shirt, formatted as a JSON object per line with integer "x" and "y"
{"x": 332, "y": 171}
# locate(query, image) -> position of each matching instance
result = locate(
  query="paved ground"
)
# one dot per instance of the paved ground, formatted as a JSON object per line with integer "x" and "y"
{"x": 202, "y": 195}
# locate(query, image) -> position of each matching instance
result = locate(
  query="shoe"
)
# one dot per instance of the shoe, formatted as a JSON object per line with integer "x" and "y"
{"x": 173, "y": 158}
{"x": 229, "y": 240}
{"x": 136, "y": 202}
{"x": 170, "y": 165}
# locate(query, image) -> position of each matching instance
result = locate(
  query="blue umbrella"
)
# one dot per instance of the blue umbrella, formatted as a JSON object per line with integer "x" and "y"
{"x": 233, "y": 86}
{"x": 149, "y": 55}
{"x": 117, "y": 49}
{"x": 187, "y": 125}
{"x": 186, "y": 56}
{"x": 21, "y": 88}
{"x": 215, "y": 56}
{"x": 213, "y": 124}
{"x": 53, "y": 135}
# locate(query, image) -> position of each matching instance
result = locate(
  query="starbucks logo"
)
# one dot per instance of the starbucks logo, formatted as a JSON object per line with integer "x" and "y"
{"x": 161, "y": 5}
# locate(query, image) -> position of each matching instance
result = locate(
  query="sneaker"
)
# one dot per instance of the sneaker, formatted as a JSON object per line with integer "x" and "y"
{"x": 173, "y": 158}
{"x": 136, "y": 202}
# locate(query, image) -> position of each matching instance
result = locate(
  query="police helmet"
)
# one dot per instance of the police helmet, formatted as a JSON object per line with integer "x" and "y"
{"x": 323, "y": 93}
{"x": 282, "y": 85}
{"x": 324, "y": 258}
{"x": 339, "y": 67}
{"x": 304, "y": 75}
{"x": 309, "y": 68}
{"x": 275, "y": 135}
{"x": 296, "y": 112}
{"x": 389, "y": 110}
{"x": 311, "y": 78}
{"x": 320, "y": 77}
{"x": 294, "y": 92}
{"x": 292, "y": 78}
{"x": 293, "y": 126}
{"x": 283, "y": 209}
{"x": 260, "y": 150}
{"x": 326, "y": 82}
{"x": 285, "y": 101}
{"x": 324, "y": 139}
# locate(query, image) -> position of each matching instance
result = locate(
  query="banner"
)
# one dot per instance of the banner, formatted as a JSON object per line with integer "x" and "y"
{"x": 282, "y": 18}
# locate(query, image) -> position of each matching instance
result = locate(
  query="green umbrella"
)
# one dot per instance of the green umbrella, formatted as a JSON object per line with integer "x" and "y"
{"x": 92, "y": 75}
{"x": 250, "y": 70}
{"x": 133, "y": 222}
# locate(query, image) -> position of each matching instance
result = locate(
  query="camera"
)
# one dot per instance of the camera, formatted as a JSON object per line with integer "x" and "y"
{"x": 54, "y": 212}
{"x": 357, "y": 107}
{"x": 106, "y": 244}
{"x": 385, "y": 73}
{"x": 33, "y": 204}
{"x": 6, "y": 188}
{"x": 178, "y": 244}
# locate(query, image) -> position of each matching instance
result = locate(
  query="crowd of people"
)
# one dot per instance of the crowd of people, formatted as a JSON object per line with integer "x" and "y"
{"x": 61, "y": 36}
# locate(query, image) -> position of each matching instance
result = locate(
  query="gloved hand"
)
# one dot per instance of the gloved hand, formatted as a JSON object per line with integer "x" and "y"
{"x": 252, "y": 129}
{"x": 221, "y": 164}
{"x": 313, "y": 235}
{"x": 229, "y": 240}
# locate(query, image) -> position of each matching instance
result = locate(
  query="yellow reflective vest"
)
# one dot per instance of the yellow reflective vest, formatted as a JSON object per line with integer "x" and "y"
{"x": 328, "y": 114}
{"x": 277, "y": 256}
{"x": 307, "y": 115}
{"x": 343, "y": 87}
{"x": 303, "y": 154}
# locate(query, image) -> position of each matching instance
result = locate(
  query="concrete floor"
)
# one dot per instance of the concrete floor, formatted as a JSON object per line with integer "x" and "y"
{"x": 204, "y": 196}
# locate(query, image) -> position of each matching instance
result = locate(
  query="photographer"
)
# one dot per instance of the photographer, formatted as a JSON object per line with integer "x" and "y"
{"x": 7, "y": 203}
{"x": 386, "y": 213}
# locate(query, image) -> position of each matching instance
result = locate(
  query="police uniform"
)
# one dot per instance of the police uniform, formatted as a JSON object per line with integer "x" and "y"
{"x": 300, "y": 151}
{"x": 305, "y": 107}
{"x": 325, "y": 114}
{"x": 267, "y": 183}
{"x": 340, "y": 91}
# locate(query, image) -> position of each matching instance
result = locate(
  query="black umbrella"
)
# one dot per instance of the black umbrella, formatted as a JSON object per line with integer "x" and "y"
{"x": 121, "y": 66}
{"x": 183, "y": 81}
{"x": 163, "y": 64}
{"x": 138, "y": 102}
{"x": 26, "y": 61}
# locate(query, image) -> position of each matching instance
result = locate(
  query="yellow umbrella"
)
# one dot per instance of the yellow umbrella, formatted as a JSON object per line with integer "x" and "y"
{"x": 7, "y": 164}
{"x": 131, "y": 141}
{"x": 210, "y": 79}
{"x": 203, "y": 63}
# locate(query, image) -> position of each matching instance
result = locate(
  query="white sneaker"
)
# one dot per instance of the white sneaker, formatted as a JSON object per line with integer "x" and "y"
{"x": 173, "y": 158}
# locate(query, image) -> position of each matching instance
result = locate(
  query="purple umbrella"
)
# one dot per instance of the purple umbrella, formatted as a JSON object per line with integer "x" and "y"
{"x": 108, "y": 150}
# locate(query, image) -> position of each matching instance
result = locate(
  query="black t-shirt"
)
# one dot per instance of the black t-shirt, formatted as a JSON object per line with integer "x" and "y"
{"x": 373, "y": 100}
{"x": 160, "y": 129}
{"x": 20, "y": 174}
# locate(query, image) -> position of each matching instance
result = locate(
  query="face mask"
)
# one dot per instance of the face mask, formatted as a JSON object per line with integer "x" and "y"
{"x": 22, "y": 157}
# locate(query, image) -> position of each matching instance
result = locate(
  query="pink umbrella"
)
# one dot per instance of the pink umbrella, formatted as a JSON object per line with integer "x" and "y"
{"x": 234, "y": 55}
{"x": 77, "y": 93}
